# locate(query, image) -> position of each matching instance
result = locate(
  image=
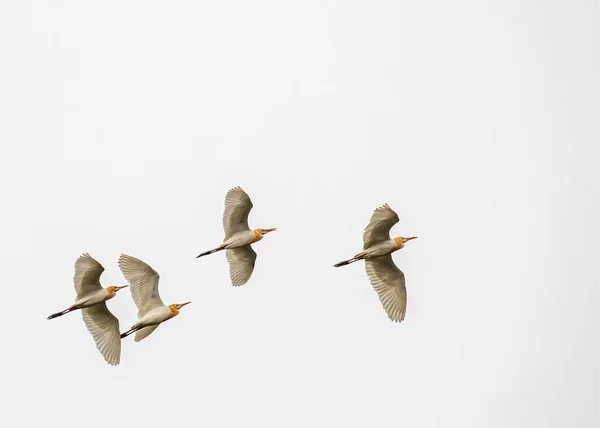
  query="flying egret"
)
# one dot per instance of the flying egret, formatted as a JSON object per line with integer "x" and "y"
{"x": 384, "y": 275}
{"x": 91, "y": 298}
{"x": 238, "y": 237}
{"x": 144, "y": 289}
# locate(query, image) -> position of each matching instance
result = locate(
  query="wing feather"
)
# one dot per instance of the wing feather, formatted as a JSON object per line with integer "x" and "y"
{"x": 378, "y": 229}
{"x": 145, "y": 332}
{"x": 237, "y": 208}
{"x": 143, "y": 282}
{"x": 87, "y": 275}
{"x": 104, "y": 328}
{"x": 389, "y": 283}
{"x": 241, "y": 264}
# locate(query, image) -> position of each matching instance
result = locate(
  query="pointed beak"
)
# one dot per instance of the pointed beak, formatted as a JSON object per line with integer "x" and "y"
{"x": 265, "y": 231}
{"x": 118, "y": 287}
{"x": 181, "y": 305}
{"x": 409, "y": 238}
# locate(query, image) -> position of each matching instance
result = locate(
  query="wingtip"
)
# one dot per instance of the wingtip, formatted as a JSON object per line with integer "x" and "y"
{"x": 82, "y": 257}
{"x": 238, "y": 283}
{"x": 123, "y": 258}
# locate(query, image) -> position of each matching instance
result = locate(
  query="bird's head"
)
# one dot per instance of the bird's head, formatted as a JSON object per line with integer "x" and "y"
{"x": 265, "y": 231}
{"x": 178, "y": 306}
{"x": 112, "y": 289}
{"x": 400, "y": 240}
{"x": 175, "y": 308}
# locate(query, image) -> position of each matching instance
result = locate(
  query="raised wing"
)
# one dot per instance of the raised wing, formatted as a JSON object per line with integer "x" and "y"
{"x": 241, "y": 264}
{"x": 389, "y": 283}
{"x": 378, "y": 229}
{"x": 143, "y": 281}
{"x": 87, "y": 275}
{"x": 237, "y": 208}
{"x": 104, "y": 328}
{"x": 145, "y": 332}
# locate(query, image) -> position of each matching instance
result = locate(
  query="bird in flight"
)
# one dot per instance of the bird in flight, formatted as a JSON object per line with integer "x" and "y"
{"x": 238, "y": 237}
{"x": 144, "y": 289}
{"x": 91, "y": 300}
{"x": 383, "y": 274}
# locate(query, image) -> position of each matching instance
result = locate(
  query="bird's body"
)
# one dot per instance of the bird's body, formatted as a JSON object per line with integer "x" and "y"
{"x": 380, "y": 249}
{"x": 91, "y": 298}
{"x": 156, "y": 316}
{"x": 144, "y": 289}
{"x": 94, "y": 298}
{"x": 244, "y": 237}
{"x": 238, "y": 237}
{"x": 384, "y": 275}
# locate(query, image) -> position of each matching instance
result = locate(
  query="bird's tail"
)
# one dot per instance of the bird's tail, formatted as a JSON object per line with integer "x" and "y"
{"x": 61, "y": 313}
{"x": 206, "y": 253}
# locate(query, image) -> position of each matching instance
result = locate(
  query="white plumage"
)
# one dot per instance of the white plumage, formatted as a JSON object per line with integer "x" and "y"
{"x": 87, "y": 275}
{"x": 239, "y": 237}
{"x": 91, "y": 300}
{"x": 241, "y": 264}
{"x": 378, "y": 229}
{"x": 144, "y": 290}
{"x": 387, "y": 280}
{"x": 104, "y": 328}
{"x": 144, "y": 283}
{"x": 237, "y": 209}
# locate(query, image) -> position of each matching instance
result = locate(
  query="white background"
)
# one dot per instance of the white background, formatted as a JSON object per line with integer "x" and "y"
{"x": 123, "y": 124}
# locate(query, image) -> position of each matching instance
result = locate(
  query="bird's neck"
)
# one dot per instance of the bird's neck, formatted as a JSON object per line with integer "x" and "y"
{"x": 174, "y": 312}
{"x": 110, "y": 294}
{"x": 399, "y": 243}
{"x": 257, "y": 236}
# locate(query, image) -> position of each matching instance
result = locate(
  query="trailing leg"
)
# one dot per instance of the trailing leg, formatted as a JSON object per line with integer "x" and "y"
{"x": 206, "y": 253}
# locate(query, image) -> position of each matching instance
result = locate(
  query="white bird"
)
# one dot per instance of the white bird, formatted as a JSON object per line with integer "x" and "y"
{"x": 91, "y": 298}
{"x": 144, "y": 289}
{"x": 239, "y": 237}
{"x": 384, "y": 275}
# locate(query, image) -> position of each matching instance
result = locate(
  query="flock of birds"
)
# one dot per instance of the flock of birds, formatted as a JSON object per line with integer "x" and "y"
{"x": 91, "y": 299}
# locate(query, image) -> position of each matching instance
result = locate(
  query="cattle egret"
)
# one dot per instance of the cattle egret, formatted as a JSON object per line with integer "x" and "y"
{"x": 238, "y": 237}
{"x": 91, "y": 298}
{"x": 384, "y": 275}
{"x": 144, "y": 289}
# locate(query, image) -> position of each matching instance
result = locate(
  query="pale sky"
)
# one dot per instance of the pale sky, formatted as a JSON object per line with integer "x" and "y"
{"x": 125, "y": 123}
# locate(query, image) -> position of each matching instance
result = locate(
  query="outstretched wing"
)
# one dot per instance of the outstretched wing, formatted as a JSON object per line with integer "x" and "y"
{"x": 87, "y": 275}
{"x": 378, "y": 229}
{"x": 389, "y": 283}
{"x": 104, "y": 328}
{"x": 241, "y": 264}
{"x": 145, "y": 332}
{"x": 237, "y": 208}
{"x": 143, "y": 281}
